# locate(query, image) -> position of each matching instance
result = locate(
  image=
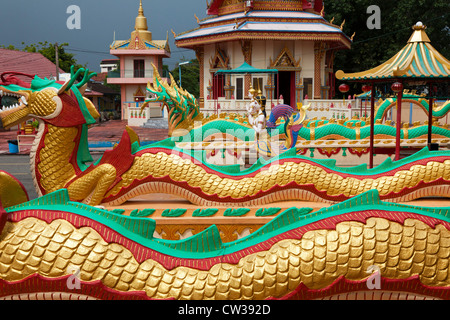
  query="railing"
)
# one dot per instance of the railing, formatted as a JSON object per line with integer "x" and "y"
{"x": 222, "y": 105}
{"x": 136, "y": 118}
{"x": 337, "y": 109}
{"x": 132, "y": 73}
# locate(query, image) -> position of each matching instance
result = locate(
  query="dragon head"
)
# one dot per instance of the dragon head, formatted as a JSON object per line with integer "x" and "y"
{"x": 187, "y": 99}
{"x": 159, "y": 91}
{"x": 60, "y": 104}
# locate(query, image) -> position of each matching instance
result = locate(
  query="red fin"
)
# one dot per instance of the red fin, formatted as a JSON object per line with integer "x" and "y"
{"x": 120, "y": 157}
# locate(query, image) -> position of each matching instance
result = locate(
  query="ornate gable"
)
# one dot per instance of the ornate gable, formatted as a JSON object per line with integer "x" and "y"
{"x": 285, "y": 60}
{"x": 139, "y": 92}
{"x": 220, "y": 60}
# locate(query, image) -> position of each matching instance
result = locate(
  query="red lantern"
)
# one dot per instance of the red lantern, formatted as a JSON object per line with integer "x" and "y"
{"x": 344, "y": 88}
{"x": 366, "y": 88}
{"x": 397, "y": 87}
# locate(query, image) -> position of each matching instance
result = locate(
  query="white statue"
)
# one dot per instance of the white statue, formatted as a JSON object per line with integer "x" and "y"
{"x": 256, "y": 114}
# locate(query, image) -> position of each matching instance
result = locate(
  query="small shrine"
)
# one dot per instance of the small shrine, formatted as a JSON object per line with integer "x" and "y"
{"x": 137, "y": 55}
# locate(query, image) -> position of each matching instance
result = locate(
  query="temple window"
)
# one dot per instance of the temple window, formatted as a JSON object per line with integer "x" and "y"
{"x": 239, "y": 88}
{"x": 258, "y": 84}
{"x": 139, "y": 68}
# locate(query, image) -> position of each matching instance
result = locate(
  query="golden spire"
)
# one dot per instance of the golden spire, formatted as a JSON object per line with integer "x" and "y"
{"x": 419, "y": 34}
{"x": 141, "y": 9}
{"x": 141, "y": 24}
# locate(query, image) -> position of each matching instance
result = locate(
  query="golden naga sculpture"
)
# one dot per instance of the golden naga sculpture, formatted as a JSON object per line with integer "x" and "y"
{"x": 57, "y": 247}
{"x": 60, "y": 159}
{"x": 363, "y": 248}
{"x": 182, "y": 106}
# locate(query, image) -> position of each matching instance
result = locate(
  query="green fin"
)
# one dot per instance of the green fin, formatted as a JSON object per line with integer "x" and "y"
{"x": 235, "y": 212}
{"x": 173, "y": 212}
{"x": 284, "y": 219}
{"x": 58, "y": 197}
{"x": 204, "y": 212}
{"x": 262, "y": 212}
{"x": 118, "y": 211}
{"x": 206, "y": 241}
{"x": 370, "y": 197}
{"x": 142, "y": 213}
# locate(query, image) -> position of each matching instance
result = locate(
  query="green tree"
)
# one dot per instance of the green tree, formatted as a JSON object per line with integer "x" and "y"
{"x": 66, "y": 60}
{"x": 371, "y": 47}
{"x": 190, "y": 74}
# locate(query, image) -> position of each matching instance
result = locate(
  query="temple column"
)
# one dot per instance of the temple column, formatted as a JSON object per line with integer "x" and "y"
{"x": 319, "y": 51}
{"x": 200, "y": 54}
{"x": 298, "y": 89}
{"x": 246, "y": 47}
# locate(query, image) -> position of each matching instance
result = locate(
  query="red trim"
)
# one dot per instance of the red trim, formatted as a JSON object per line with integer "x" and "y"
{"x": 214, "y": 7}
{"x": 328, "y": 151}
{"x": 342, "y": 285}
{"x": 358, "y": 153}
{"x": 38, "y": 284}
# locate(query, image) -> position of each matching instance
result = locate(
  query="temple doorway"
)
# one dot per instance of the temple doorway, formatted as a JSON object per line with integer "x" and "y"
{"x": 286, "y": 82}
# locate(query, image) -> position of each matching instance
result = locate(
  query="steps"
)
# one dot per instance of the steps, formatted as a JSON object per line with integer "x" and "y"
{"x": 156, "y": 123}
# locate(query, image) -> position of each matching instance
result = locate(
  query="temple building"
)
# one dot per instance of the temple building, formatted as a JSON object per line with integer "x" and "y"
{"x": 291, "y": 37}
{"x": 136, "y": 56}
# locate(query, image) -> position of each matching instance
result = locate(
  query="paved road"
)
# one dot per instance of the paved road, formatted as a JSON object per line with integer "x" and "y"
{"x": 19, "y": 166}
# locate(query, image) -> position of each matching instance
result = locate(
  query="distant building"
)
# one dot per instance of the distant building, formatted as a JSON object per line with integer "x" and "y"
{"x": 105, "y": 98}
{"x": 31, "y": 63}
{"x": 136, "y": 56}
{"x": 108, "y": 65}
{"x": 289, "y": 36}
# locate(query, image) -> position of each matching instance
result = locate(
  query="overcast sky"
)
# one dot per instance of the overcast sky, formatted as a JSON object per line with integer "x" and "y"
{"x": 33, "y": 21}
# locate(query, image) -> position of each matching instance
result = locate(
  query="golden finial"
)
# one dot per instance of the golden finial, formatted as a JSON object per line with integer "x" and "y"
{"x": 353, "y": 35}
{"x": 419, "y": 34}
{"x": 322, "y": 11}
{"x": 196, "y": 18}
{"x": 252, "y": 91}
{"x": 342, "y": 25}
{"x": 141, "y": 9}
{"x": 174, "y": 34}
{"x": 332, "y": 20}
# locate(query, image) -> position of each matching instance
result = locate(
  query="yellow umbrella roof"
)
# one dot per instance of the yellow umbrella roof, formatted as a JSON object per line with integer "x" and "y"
{"x": 418, "y": 59}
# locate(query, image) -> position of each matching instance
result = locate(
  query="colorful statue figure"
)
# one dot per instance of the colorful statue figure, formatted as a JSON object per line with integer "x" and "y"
{"x": 256, "y": 113}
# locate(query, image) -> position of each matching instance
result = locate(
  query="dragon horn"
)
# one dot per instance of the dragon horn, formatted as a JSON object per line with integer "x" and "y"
{"x": 173, "y": 83}
{"x": 73, "y": 77}
{"x": 87, "y": 76}
{"x": 156, "y": 74}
